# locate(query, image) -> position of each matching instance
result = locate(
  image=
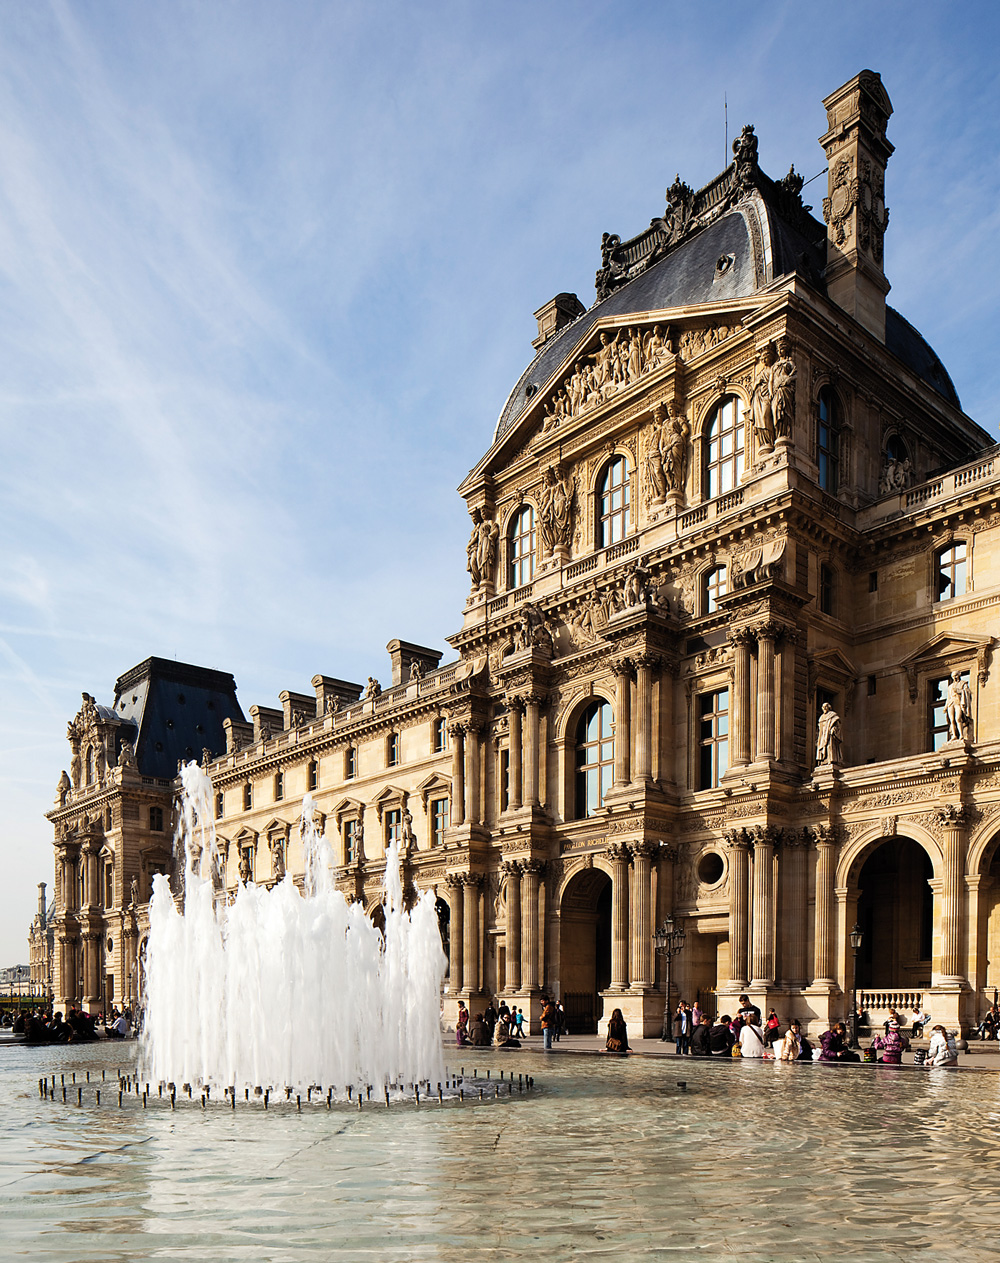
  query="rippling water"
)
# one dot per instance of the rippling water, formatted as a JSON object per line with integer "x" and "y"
{"x": 606, "y": 1160}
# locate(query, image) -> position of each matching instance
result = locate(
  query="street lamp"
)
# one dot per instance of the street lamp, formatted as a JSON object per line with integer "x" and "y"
{"x": 856, "y": 937}
{"x": 668, "y": 942}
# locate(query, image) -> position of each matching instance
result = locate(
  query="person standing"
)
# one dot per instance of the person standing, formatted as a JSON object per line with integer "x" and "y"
{"x": 462, "y": 1024}
{"x": 682, "y": 1029}
{"x": 771, "y": 1029}
{"x": 548, "y": 1023}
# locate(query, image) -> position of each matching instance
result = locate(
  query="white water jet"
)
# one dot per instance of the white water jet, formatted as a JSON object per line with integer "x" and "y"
{"x": 279, "y": 988}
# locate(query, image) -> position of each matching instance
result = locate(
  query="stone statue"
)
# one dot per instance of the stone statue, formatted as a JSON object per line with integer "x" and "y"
{"x": 674, "y": 449}
{"x": 244, "y": 866}
{"x": 829, "y": 748}
{"x": 278, "y": 858}
{"x": 62, "y": 789}
{"x": 133, "y": 892}
{"x": 532, "y": 632}
{"x": 635, "y": 589}
{"x": 895, "y": 476}
{"x": 372, "y": 688}
{"x": 958, "y": 708}
{"x": 75, "y": 765}
{"x": 331, "y": 703}
{"x": 783, "y": 374}
{"x": 126, "y": 755}
{"x": 481, "y": 549}
{"x": 416, "y": 671}
{"x": 555, "y": 509}
{"x": 408, "y": 838}
{"x": 761, "y": 399}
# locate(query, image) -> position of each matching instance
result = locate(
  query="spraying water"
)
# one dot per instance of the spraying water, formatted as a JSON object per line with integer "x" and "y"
{"x": 279, "y": 988}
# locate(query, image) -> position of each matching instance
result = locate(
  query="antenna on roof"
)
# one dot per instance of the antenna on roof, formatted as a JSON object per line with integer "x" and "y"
{"x": 725, "y": 110}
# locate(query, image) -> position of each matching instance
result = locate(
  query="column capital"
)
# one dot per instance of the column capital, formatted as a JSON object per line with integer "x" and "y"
{"x": 517, "y": 702}
{"x": 828, "y": 834}
{"x": 793, "y": 838}
{"x": 532, "y": 867}
{"x": 511, "y": 868}
{"x": 647, "y": 658}
{"x": 769, "y": 629}
{"x": 743, "y": 636}
{"x": 737, "y": 839}
{"x": 624, "y": 666}
{"x": 617, "y": 852}
{"x": 952, "y": 815}
{"x": 474, "y": 880}
{"x": 766, "y": 835}
{"x": 645, "y": 848}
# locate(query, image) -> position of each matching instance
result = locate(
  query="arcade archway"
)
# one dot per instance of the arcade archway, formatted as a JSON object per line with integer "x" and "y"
{"x": 895, "y": 910}
{"x": 585, "y": 948}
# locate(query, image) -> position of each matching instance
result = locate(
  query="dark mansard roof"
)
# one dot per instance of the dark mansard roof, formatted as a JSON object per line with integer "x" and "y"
{"x": 757, "y": 228}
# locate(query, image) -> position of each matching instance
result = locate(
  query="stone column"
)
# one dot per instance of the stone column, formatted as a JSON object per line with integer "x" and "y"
{"x": 456, "y": 891}
{"x": 531, "y": 745}
{"x": 512, "y": 981}
{"x": 951, "y": 819}
{"x": 618, "y": 854}
{"x": 457, "y": 733}
{"x": 470, "y": 932}
{"x": 762, "y": 952}
{"x": 642, "y": 927}
{"x": 794, "y": 872}
{"x": 826, "y": 868}
{"x": 646, "y": 664}
{"x": 623, "y": 722}
{"x": 91, "y": 968}
{"x": 473, "y": 798}
{"x": 738, "y": 842}
{"x": 766, "y": 636}
{"x": 741, "y": 697}
{"x": 532, "y": 870}
{"x": 516, "y": 706}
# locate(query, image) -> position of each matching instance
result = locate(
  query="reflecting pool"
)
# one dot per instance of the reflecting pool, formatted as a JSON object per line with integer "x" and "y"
{"x": 607, "y": 1159}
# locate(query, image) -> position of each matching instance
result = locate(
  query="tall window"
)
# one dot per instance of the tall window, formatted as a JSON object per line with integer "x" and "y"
{"x": 350, "y": 763}
{"x": 439, "y": 820}
{"x": 220, "y": 802}
{"x": 156, "y": 819}
{"x": 279, "y": 786}
{"x": 503, "y": 779}
{"x": 392, "y": 749}
{"x": 715, "y": 586}
{"x": 613, "y": 496}
{"x": 724, "y": 448}
{"x": 828, "y": 441}
{"x": 247, "y": 796}
{"x": 439, "y": 735}
{"x": 950, "y": 568}
{"x": 109, "y": 886}
{"x": 351, "y": 830}
{"x": 394, "y": 825}
{"x": 713, "y": 738}
{"x": 521, "y": 543}
{"x": 826, "y": 589}
{"x": 312, "y": 775}
{"x": 595, "y": 758}
{"x": 939, "y": 720}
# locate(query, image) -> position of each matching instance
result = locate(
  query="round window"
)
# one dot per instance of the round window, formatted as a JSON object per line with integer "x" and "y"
{"x": 710, "y": 868}
{"x": 111, "y": 945}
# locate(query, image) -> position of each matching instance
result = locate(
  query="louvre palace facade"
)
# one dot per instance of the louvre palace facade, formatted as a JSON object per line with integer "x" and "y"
{"x": 727, "y": 655}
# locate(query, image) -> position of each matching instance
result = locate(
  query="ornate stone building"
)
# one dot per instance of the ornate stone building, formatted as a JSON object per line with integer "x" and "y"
{"x": 41, "y": 946}
{"x": 727, "y": 653}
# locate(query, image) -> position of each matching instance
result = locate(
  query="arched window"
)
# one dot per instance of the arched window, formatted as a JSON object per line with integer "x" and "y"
{"x": 521, "y": 548}
{"x": 724, "y": 448}
{"x": 715, "y": 585}
{"x": 595, "y": 758}
{"x": 828, "y": 441}
{"x": 896, "y": 449}
{"x": 613, "y": 496}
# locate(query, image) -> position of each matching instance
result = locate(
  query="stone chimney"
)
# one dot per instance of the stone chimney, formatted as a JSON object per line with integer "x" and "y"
{"x": 855, "y": 212}
{"x": 556, "y": 315}
{"x": 403, "y": 655}
{"x": 41, "y": 902}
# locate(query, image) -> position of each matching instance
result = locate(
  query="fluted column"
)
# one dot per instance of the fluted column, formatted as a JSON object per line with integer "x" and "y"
{"x": 646, "y": 664}
{"x": 742, "y": 640}
{"x": 512, "y": 981}
{"x": 765, "y": 691}
{"x": 642, "y": 921}
{"x": 826, "y": 867}
{"x": 952, "y": 820}
{"x": 531, "y": 748}
{"x": 473, "y": 797}
{"x": 738, "y": 842}
{"x": 623, "y": 722}
{"x": 456, "y": 732}
{"x": 618, "y": 854}
{"x": 516, "y": 706}
{"x": 456, "y": 890}
{"x": 794, "y": 871}
{"x": 470, "y": 931}
{"x": 762, "y": 952}
{"x": 532, "y": 870}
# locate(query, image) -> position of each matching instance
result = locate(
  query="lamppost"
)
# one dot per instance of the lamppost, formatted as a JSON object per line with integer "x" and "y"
{"x": 668, "y": 942}
{"x": 856, "y": 937}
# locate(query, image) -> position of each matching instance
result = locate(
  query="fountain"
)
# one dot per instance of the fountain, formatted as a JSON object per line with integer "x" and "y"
{"x": 280, "y": 987}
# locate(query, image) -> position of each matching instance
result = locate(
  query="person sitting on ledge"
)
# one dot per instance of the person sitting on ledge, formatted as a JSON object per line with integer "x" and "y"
{"x": 942, "y": 1050}
{"x": 721, "y": 1037}
{"x": 892, "y": 1045}
{"x": 617, "y": 1041}
{"x": 478, "y": 1032}
{"x": 835, "y": 1047}
{"x": 502, "y": 1036}
{"x": 701, "y": 1038}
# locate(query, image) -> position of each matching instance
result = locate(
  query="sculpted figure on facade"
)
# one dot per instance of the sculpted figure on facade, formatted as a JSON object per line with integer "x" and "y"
{"x": 416, "y": 671}
{"x": 896, "y": 476}
{"x": 635, "y": 588}
{"x": 62, "y": 789}
{"x": 126, "y": 755}
{"x": 829, "y": 738}
{"x": 667, "y": 456}
{"x": 277, "y": 845}
{"x": 783, "y": 374}
{"x": 958, "y": 708}
{"x": 762, "y": 398}
{"x": 532, "y": 631}
{"x": 372, "y": 689}
{"x": 555, "y": 510}
{"x": 481, "y": 549}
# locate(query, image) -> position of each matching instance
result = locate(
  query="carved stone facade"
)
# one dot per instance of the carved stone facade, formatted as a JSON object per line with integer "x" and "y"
{"x": 714, "y": 662}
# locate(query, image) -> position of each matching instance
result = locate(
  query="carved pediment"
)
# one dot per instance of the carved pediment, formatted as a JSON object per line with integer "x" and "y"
{"x": 947, "y": 651}
{"x": 348, "y": 809}
{"x": 435, "y": 786}
{"x": 831, "y": 664}
{"x": 392, "y": 798}
{"x": 276, "y": 828}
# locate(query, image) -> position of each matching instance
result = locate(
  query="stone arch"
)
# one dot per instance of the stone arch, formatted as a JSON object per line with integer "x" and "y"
{"x": 707, "y": 410}
{"x": 854, "y": 852}
{"x": 584, "y": 902}
{"x": 982, "y": 847}
{"x": 575, "y": 705}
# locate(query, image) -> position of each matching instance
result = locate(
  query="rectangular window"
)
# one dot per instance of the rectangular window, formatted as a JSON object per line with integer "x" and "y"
{"x": 350, "y": 763}
{"x": 439, "y": 820}
{"x": 279, "y": 786}
{"x": 312, "y": 775}
{"x": 219, "y": 805}
{"x": 392, "y": 750}
{"x": 873, "y": 581}
{"x": 351, "y": 831}
{"x": 939, "y": 712}
{"x": 872, "y": 685}
{"x": 951, "y": 572}
{"x": 713, "y": 738}
{"x": 394, "y": 825}
{"x": 109, "y": 887}
{"x": 826, "y": 589}
{"x": 156, "y": 819}
{"x": 503, "y": 779}
{"x": 440, "y": 736}
{"x": 247, "y": 796}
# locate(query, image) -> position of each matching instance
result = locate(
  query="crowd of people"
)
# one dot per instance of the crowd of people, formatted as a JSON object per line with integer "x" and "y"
{"x": 502, "y": 1026}
{"x": 78, "y": 1027}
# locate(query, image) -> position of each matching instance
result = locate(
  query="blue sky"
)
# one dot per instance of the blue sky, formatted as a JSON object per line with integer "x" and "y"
{"x": 267, "y": 273}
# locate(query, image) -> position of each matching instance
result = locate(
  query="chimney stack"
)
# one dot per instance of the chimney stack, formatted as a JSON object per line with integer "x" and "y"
{"x": 41, "y": 901}
{"x": 857, "y": 152}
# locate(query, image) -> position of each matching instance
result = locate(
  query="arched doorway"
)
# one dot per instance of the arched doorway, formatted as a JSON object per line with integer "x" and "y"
{"x": 584, "y": 948}
{"x": 896, "y": 915}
